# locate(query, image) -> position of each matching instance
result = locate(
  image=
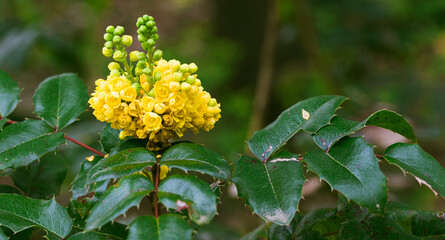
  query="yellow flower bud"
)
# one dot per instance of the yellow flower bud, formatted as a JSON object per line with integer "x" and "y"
{"x": 185, "y": 87}
{"x": 160, "y": 108}
{"x": 163, "y": 173}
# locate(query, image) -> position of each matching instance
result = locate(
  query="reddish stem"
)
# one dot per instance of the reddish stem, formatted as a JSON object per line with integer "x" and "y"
{"x": 85, "y": 146}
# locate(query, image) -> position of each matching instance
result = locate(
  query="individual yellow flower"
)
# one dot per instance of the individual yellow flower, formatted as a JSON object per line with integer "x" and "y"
{"x": 152, "y": 121}
{"x": 176, "y": 101}
{"x": 162, "y": 91}
{"x": 147, "y": 103}
{"x": 113, "y": 99}
{"x": 128, "y": 94}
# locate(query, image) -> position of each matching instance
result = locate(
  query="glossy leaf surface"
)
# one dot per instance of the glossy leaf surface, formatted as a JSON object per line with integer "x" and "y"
{"x": 309, "y": 115}
{"x": 272, "y": 189}
{"x": 194, "y": 157}
{"x": 166, "y": 227}
{"x": 414, "y": 160}
{"x": 18, "y": 213}
{"x": 121, "y": 164}
{"x": 9, "y": 94}
{"x": 24, "y": 142}
{"x": 190, "y": 189}
{"x": 60, "y": 99}
{"x": 118, "y": 199}
{"x": 351, "y": 168}
{"x": 109, "y": 138}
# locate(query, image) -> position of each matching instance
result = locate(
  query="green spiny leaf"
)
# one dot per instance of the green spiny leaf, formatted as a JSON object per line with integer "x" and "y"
{"x": 312, "y": 218}
{"x": 9, "y": 94}
{"x": 191, "y": 190}
{"x": 273, "y": 188}
{"x": 18, "y": 213}
{"x": 166, "y": 227}
{"x": 79, "y": 186}
{"x": 351, "y": 168}
{"x": 60, "y": 99}
{"x": 8, "y": 189}
{"x": 340, "y": 127}
{"x": 412, "y": 159}
{"x": 118, "y": 199}
{"x": 24, "y": 142}
{"x": 41, "y": 179}
{"x": 318, "y": 111}
{"x": 121, "y": 164}
{"x": 3, "y": 121}
{"x": 194, "y": 157}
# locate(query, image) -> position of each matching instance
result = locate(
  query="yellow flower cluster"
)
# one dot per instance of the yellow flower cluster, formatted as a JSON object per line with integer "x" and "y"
{"x": 175, "y": 103}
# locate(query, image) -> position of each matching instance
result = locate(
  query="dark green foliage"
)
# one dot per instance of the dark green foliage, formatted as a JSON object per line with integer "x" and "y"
{"x": 9, "y": 94}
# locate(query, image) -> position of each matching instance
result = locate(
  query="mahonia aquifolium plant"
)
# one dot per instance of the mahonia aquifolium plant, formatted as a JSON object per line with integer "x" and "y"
{"x": 148, "y": 96}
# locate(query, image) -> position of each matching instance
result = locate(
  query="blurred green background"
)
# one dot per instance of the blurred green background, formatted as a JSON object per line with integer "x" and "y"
{"x": 257, "y": 58}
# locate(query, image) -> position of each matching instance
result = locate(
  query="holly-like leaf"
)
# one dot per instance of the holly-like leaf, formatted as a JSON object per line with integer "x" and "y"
{"x": 350, "y": 210}
{"x": 24, "y": 142}
{"x": 109, "y": 138}
{"x": 9, "y": 94}
{"x": 166, "y": 227}
{"x": 60, "y": 99}
{"x": 129, "y": 143}
{"x": 309, "y": 115}
{"x": 194, "y": 157}
{"x": 18, "y": 213}
{"x": 41, "y": 179}
{"x": 89, "y": 236}
{"x": 121, "y": 164}
{"x": 79, "y": 186}
{"x": 272, "y": 188}
{"x": 351, "y": 168}
{"x": 341, "y": 127}
{"x": 197, "y": 194}
{"x": 414, "y": 160}
{"x": 118, "y": 199}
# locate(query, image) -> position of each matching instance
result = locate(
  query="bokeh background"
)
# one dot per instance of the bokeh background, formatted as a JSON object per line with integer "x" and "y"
{"x": 257, "y": 57}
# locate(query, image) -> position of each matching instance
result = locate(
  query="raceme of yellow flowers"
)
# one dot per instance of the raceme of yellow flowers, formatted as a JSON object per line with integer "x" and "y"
{"x": 162, "y": 102}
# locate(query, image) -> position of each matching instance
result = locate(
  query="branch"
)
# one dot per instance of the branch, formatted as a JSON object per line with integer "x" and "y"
{"x": 72, "y": 140}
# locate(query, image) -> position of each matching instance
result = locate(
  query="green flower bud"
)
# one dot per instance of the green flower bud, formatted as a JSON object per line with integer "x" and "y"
{"x": 155, "y": 37}
{"x": 154, "y": 30}
{"x": 134, "y": 56}
{"x": 109, "y": 44}
{"x": 184, "y": 68}
{"x": 127, "y": 40}
{"x": 145, "y": 45}
{"x": 139, "y": 31}
{"x": 142, "y": 38}
{"x": 145, "y": 17}
{"x": 107, "y": 52}
{"x": 143, "y": 28}
{"x": 142, "y": 56}
{"x": 158, "y": 76}
{"x": 119, "y": 55}
{"x": 110, "y": 29}
{"x": 108, "y": 36}
{"x": 157, "y": 55}
{"x": 138, "y": 71}
{"x": 117, "y": 40}
{"x": 141, "y": 64}
{"x": 177, "y": 76}
{"x": 147, "y": 71}
{"x": 191, "y": 80}
{"x": 151, "y": 42}
{"x": 151, "y": 93}
{"x": 115, "y": 73}
{"x": 185, "y": 87}
{"x": 137, "y": 86}
{"x": 175, "y": 66}
{"x": 114, "y": 65}
{"x": 150, "y": 24}
{"x": 193, "y": 68}
{"x": 139, "y": 22}
{"x": 212, "y": 102}
{"x": 119, "y": 30}
{"x": 150, "y": 18}
{"x": 198, "y": 82}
